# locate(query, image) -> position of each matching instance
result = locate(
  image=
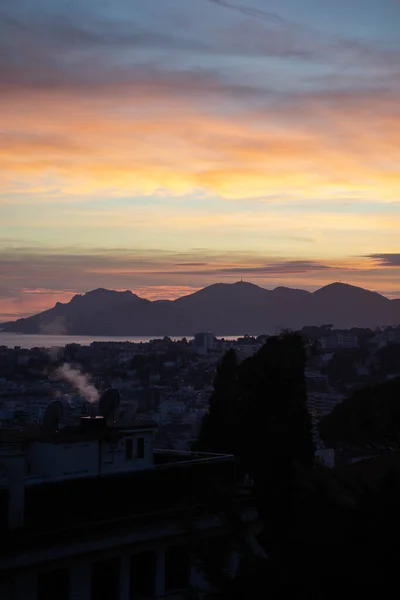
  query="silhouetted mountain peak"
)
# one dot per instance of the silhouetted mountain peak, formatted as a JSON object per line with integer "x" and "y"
{"x": 223, "y": 308}
{"x": 337, "y": 285}
{"x": 345, "y": 289}
{"x": 224, "y": 293}
{"x": 283, "y": 291}
{"x": 247, "y": 287}
{"x": 101, "y": 296}
{"x": 102, "y": 292}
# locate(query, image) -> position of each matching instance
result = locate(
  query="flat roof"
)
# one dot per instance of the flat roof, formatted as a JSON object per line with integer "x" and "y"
{"x": 36, "y": 433}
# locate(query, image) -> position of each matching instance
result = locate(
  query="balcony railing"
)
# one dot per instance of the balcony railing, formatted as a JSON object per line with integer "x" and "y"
{"x": 181, "y": 483}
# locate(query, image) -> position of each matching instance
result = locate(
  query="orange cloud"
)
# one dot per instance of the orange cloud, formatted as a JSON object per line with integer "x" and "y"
{"x": 164, "y": 292}
{"x": 158, "y": 275}
{"x": 316, "y": 147}
{"x": 30, "y": 301}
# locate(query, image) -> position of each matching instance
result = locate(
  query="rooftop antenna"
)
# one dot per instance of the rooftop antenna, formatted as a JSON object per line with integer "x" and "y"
{"x": 52, "y": 416}
{"x": 109, "y": 403}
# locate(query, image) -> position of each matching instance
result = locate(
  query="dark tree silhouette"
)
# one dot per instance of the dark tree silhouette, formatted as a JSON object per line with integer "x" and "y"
{"x": 387, "y": 360}
{"x": 324, "y": 529}
{"x": 258, "y": 408}
{"x": 219, "y": 426}
{"x": 369, "y": 418}
{"x": 342, "y": 366}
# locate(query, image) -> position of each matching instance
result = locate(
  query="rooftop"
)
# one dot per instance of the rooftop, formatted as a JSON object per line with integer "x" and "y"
{"x": 173, "y": 483}
{"x": 90, "y": 428}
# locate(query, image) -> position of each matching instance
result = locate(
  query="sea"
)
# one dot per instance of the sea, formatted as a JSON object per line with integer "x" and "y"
{"x": 12, "y": 340}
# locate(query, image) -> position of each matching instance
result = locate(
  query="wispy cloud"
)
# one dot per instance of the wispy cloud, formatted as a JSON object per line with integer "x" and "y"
{"x": 52, "y": 50}
{"x": 249, "y": 11}
{"x": 310, "y": 145}
{"x": 100, "y": 120}
{"x": 277, "y": 267}
{"x": 386, "y": 260}
{"x": 220, "y": 125}
{"x": 292, "y": 38}
{"x": 34, "y": 281}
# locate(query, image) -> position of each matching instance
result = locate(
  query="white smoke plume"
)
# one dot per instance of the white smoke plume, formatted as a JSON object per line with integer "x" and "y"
{"x": 80, "y": 381}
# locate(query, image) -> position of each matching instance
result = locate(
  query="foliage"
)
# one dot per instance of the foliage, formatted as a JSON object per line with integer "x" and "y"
{"x": 342, "y": 367}
{"x": 370, "y": 417}
{"x": 258, "y": 408}
{"x": 323, "y": 528}
{"x": 314, "y": 518}
{"x": 387, "y": 360}
{"x": 219, "y": 428}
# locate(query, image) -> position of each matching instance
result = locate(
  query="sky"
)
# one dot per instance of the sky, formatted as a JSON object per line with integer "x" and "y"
{"x": 164, "y": 145}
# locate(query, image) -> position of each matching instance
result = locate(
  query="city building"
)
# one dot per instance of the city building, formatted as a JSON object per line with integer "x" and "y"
{"x": 95, "y": 512}
{"x": 204, "y": 342}
{"x": 339, "y": 340}
{"x": 386, "y": 337}
{"x": 321, "y": 404}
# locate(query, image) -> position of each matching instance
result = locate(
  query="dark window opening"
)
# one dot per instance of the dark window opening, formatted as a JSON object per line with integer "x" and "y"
{"x": 105, "y": 580}
{"x": 218, "y": 551}
{"x": 140, "y": 448}
{"x": 143, "y": 575}
{"x": 4, "y": 501}
{"x": 53, "y": 584}
{"x": 177, "y": 566}
{"x": 128, "y": 449}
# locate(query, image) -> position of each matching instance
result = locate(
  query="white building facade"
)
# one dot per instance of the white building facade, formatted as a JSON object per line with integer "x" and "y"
{"x": 96, "y": 513}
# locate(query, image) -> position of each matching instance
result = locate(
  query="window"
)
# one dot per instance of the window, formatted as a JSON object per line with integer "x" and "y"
{"x": 129, "y": 449}
{"x": 4, "y": 494}
{"x": 143, "y": 575}
{"x": 219, "y": 550}
{"x": 53, "y": 584}
{"x": 105, "y": 580}
{"x": 176, "y": 568}
{"x": 140, "y": 448}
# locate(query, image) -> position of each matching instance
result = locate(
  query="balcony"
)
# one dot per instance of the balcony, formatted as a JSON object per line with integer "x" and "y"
{"x": 180, "y": 485}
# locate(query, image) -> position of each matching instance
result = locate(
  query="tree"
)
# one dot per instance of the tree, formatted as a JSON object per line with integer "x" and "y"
{"x": 219, "y": 426}
{"x": 387, "y": 360}
{"x": 323, "y": 529}
{"x": 370, "y": 418}
{"x": 342, "y": 367}
{"x": 258, "y": 408}
{"x": 272, "y": 390}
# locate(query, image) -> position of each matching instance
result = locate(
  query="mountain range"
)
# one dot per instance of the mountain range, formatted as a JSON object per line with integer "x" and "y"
{"x": 224, "y": 309}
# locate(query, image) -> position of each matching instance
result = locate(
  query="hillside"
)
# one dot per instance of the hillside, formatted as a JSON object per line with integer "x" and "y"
{"x": 225, "y": 309}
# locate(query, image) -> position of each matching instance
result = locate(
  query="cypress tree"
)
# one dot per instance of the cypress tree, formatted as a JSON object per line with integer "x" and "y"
{"x": 217, "y": 430}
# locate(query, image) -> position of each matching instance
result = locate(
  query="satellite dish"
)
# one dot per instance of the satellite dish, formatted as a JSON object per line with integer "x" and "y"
{"x": 109, "y": 403}
{"x": 52, "y": 416}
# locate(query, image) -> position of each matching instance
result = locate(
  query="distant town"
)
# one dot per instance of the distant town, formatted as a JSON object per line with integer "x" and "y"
{"x": 170, "y": 381}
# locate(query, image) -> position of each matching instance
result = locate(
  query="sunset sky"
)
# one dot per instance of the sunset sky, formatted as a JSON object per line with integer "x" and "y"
{"x": 164, "y": 145}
